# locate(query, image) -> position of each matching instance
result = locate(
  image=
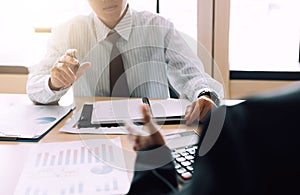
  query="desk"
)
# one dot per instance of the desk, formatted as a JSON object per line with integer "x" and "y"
{"x": 13, "y": 154}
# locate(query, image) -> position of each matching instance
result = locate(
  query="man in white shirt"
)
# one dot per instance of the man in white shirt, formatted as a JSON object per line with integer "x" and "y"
{"x": 154, "y": 55}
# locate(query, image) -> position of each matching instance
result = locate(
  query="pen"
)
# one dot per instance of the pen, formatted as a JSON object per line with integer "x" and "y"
{"x": 146, "y": 101}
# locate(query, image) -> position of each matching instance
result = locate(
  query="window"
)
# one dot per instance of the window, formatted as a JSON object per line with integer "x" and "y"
{"x": 19, "y": 20}
{"x": 264, "y": 36}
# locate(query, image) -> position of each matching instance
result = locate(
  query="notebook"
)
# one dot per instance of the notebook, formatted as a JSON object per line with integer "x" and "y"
{"x": 30, "y": 122}
{"x": 118, "y": 111}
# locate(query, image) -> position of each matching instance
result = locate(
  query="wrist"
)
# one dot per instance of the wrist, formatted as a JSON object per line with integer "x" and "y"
{"x": 53, "y": 88}
{"x": 211, "y": 94}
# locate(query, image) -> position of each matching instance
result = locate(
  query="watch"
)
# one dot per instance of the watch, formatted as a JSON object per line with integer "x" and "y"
{"x": 213, "y": 96}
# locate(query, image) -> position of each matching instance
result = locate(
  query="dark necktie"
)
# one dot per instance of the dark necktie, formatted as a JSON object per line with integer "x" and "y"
{"x": 118, "y": 81}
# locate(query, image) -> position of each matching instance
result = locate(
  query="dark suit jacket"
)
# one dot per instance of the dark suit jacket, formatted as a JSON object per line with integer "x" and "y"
{"x": 255, "y": 148}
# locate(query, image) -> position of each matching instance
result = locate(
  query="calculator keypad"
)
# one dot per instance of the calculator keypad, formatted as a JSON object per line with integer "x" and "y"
{"x": 183, "y": 161}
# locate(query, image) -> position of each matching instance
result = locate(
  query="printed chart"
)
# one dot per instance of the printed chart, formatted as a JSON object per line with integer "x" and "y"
{"x": 79, "y": 167}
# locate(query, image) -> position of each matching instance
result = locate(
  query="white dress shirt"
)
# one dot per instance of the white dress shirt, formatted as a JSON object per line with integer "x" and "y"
{"x": 154, "y": 55}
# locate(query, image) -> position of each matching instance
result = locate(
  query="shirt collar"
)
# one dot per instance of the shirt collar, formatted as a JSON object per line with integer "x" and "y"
{"x": 123, "y": 28}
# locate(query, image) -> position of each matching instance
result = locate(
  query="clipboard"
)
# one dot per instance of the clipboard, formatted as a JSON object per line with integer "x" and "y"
{"x": 115, "y": 112}
{"x": 30, "y": 122}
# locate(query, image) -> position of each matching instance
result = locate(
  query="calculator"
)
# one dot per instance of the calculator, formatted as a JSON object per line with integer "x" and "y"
{"x": 183, "y": 162}
{"x": 184, "y": 146}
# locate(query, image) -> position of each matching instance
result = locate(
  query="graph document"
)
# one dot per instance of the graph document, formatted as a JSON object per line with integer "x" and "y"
{"x": 78, "y": 167}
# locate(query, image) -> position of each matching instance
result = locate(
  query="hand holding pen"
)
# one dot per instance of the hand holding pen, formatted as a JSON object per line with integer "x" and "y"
{"x": 66, "y": 70}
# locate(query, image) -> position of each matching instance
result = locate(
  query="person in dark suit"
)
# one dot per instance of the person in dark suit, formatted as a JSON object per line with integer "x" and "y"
{"x": 249, "y": 148}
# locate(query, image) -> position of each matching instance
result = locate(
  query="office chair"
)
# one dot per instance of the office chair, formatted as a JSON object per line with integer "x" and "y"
{"x": 257, "y": 150}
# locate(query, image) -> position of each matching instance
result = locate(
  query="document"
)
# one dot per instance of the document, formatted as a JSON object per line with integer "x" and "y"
{"x": 30, "y": 121}
{"x": 71, "y": 127}
{"x": 77, "y": 167}
{"x": 118, "y": 111}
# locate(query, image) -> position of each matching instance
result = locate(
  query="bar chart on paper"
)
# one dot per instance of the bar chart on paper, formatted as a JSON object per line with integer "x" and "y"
{"x": 76, "y": 156}
{"x": 80, "y": 167}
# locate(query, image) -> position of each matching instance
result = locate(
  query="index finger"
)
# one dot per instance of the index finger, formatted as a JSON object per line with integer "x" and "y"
{"x": 192, "y": 113}
{"x": 72, "y": 53}
{"x": 189, "y": 109}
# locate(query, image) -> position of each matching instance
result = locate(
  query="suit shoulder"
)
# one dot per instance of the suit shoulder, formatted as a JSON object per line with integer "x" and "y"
{"x": 142, "y": 18}
{"x": 82, "y": 20}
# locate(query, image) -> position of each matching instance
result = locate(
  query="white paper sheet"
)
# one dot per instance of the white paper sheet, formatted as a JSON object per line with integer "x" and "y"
{"x": 78, "y": 167}
{"x": 71, "y": 127}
